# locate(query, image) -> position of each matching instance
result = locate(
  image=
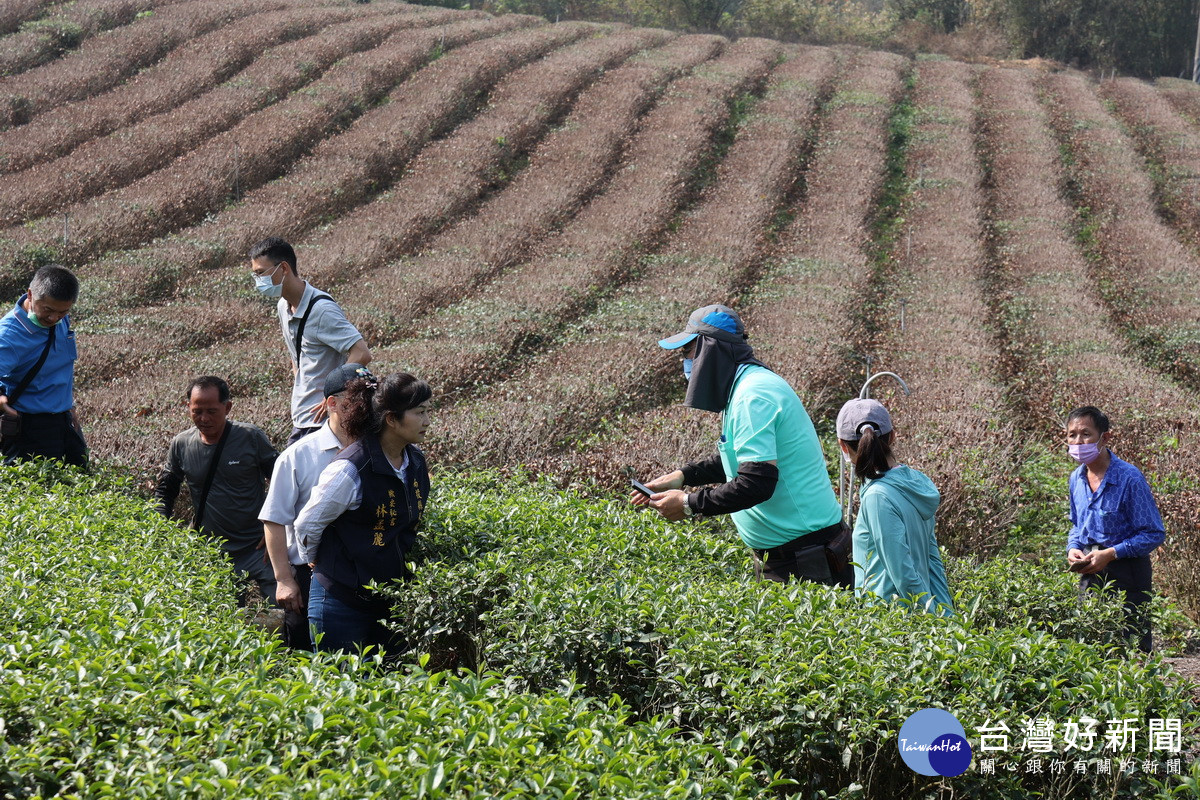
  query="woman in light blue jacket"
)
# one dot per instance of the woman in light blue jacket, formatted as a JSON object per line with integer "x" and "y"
{"x": 895, "y": 550}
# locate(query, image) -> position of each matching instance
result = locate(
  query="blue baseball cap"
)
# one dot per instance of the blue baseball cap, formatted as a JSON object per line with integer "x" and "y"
{"x": 717, "y": 321}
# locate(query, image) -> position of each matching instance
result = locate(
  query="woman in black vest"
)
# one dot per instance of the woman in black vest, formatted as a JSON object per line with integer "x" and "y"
{"x": 361, "y": 520}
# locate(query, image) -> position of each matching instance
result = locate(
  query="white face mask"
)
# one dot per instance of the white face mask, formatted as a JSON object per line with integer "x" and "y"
{"x": 265, "y": 287}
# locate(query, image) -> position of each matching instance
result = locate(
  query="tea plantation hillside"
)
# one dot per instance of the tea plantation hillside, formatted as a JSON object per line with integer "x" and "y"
{"x": 515, "y": 210}
{"x": 618, "y": 656}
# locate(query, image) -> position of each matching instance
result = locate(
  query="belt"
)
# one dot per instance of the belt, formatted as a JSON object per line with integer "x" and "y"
{"x": 811, "y": 539}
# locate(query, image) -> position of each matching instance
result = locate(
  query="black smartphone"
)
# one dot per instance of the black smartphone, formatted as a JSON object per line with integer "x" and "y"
{"x": 639, "y": 486}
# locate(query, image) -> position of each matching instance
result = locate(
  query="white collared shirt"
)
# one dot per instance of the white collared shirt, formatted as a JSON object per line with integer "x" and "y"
{"x": 296, "y": 473}
{"x": 338, "y": 490}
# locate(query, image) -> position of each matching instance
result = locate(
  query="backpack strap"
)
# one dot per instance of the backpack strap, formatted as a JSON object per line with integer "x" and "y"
{"x": 198, "y": 519}
{"x": 304, "y": 321}
{"x": 29, "y": 376}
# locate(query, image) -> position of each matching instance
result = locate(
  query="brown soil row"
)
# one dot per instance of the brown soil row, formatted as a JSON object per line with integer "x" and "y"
{"x": 954, "y": 426}
{"x": 487, "y": 59}
{"x": 452, "y": 174}
{"x": 1152, "y": 280}
{"x": 664, "y": 136}
{"x": 1170, "y": 143}
{"x": 131, "y": 419}
{"x": 1183, "y": 95}
{"x": 606, "y": 365}
{"x": 347, "y": 169}
{"x": 16, "y": 12}
{"x": 795, "y": 318}
{"x": 257, "y": 149}
{"x": 185, "y": 73}
{"x": 570, "y": 165}
{"x": 104, "y": 61}
{"x": 41, "y": 43}
{"x": 471, "y": 340}
{"x": 117, "y": 160}
{"x": 806, "y": 314}
{"x": 1061, "y": 352}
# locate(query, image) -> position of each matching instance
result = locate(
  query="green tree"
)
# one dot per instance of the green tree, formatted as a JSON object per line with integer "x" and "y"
{"x": 945, "y": 15}
{"x": 1142, "y": 37}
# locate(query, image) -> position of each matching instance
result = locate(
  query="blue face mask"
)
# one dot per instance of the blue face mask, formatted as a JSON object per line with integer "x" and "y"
{"x": 265, "y": 287}
{"x": 687, "y": 368}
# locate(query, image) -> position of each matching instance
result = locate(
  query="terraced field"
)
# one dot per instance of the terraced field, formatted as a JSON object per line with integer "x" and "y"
{"x": 516, "y": 210}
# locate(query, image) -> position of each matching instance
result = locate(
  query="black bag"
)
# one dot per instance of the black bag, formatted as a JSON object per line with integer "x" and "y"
{"x": 840, "y": 550}
{"x": 198, "y": 517}
{"x": 299, "y": 343}
{"x": 10, "y": 426}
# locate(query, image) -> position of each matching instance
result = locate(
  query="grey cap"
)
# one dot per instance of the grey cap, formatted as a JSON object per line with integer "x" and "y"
{"x": 858, "y": 412}
{"x": 717, "y": 321}
{"x": 336, "y": 380}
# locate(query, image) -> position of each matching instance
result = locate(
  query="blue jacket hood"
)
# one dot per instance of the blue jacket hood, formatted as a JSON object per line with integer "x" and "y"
{"x": 914, "y": 486}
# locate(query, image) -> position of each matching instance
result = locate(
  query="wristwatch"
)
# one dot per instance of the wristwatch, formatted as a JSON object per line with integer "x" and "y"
{"x": 687, "y": 506}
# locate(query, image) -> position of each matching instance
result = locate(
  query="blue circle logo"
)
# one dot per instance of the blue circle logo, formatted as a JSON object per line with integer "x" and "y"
{"x": 932, "y": 742}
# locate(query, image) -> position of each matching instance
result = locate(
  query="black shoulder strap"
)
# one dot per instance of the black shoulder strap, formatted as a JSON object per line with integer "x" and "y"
{"x": 29, "y": 376}
{"x": 304, "y": 321}
{"x": 198, "y": 519}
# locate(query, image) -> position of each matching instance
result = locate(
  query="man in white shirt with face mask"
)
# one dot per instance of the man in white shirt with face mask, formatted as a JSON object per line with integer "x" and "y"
{"x": 296, "y": 472}
{"x": 317, "y": 334}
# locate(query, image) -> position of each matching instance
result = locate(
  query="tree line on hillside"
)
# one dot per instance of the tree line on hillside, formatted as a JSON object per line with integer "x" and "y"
{"x": 1139, "y": 37}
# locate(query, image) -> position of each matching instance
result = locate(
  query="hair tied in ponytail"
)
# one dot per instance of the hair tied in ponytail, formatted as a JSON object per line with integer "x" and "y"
{"x": 867, "y": 424}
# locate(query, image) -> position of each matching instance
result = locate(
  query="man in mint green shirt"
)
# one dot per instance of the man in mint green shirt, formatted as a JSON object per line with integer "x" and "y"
{"x": 769, "y": 468}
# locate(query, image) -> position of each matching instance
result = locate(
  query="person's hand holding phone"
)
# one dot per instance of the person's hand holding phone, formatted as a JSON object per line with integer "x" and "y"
{"x": 672, "y": 480}
{"x": 1076, "y": 560}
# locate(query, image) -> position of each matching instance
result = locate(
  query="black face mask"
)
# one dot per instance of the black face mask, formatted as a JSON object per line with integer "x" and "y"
{"x": 714, "y": 368}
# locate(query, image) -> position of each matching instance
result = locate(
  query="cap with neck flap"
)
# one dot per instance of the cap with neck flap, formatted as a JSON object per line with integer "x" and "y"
{"x": 718, "y": 321}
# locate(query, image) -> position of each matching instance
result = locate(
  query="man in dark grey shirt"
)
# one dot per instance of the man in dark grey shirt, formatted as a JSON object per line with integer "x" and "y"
{"x": 226, "y": 498}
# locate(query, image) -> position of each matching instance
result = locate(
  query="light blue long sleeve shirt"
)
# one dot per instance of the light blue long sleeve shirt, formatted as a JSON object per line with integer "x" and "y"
{"x": 1120, "y": 514}
{"x": 896, "y": 553}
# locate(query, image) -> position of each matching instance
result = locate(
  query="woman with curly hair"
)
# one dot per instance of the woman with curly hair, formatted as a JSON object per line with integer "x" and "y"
{"x": 361, "y": 520}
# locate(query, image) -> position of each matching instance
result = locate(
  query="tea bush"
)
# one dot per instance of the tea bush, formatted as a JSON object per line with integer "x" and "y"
{"x": 815, "y": 681}
{"x": 622, "y": 656}
{"x": 125, "y": 672}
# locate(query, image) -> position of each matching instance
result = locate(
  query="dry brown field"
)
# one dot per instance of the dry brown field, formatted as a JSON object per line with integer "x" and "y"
{"x": 516, "y": 210}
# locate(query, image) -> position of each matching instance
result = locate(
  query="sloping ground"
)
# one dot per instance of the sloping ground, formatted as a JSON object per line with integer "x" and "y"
{"x": 517, "y": 210}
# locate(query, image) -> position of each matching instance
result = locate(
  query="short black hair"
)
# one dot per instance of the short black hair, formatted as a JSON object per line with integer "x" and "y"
{"x": 277, "y": 250}
{"x": 54, "y": 281}
{"x": 208, "y": 382}
{"x": 1097, "y": 417}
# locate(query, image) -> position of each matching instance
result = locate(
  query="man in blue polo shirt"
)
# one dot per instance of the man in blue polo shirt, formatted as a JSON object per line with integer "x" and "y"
{"x": 1115, "y": 524}
{"x": 37, "y": 372}
{"x": 769, "y": 465}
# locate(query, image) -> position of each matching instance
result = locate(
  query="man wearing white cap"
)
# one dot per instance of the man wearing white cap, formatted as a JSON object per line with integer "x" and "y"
{"x": 769, "y": 468}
